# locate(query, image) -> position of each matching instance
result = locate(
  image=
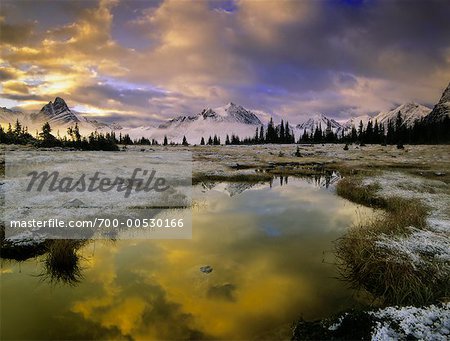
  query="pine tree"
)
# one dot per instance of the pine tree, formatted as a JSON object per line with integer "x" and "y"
{"x": 18, "y": 128}
{"x": 282, "y": 133}
{"x": 261, "y": 134}
{"x": 361, "y": 131}
{"x": 185, "y": 142}
{"x": 202, "y": 141}
{"x": 376, "y": 133}
{"x": 165, "y": 143}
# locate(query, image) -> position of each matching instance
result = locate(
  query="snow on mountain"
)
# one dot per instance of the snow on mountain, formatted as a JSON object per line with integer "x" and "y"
{"x": 355, "y": 122}
{"x": 318, "y": 121}
{"x": 10, "y": 116}
{"x": 410, "y": 113}
{"x": 442, "y": 108}
{"x": 58, "y": 113}
{"x": 232, "y": 113}
{"x": 229, "y": 119}
{"x": 59, "y": 116}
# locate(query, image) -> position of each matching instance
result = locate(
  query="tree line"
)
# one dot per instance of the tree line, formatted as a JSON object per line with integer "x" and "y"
{"x": 19, "y": 134}
{"x": 394, "y": 132}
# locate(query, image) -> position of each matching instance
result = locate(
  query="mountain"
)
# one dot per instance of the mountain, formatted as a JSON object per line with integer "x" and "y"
{"x": 410, "y": 113}
{"x": 441, "y": 109}
{"x": 355, "y": 121}
{"x": 228, "y": 119}
{"x": 318, "y": 120}
{"x": 58, "y": 113}
{"x": 10, "y": 116}
{"x": 230, "y": 113}
{"x": 59, "y": 116}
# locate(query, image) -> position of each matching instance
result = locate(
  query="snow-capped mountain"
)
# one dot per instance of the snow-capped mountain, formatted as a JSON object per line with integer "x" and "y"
{"x": 441, "y": 109}
{"x": 229, "y": 119}
{"x": 59, "y": 116}
{"x": 10, "y": 116}
{"x": 410, "y": 113}
{"x": 230, "y": 113}
{"x": 58, "y": 113}
{"x": 355, "y": 122}
{"x": 318, "y": 121}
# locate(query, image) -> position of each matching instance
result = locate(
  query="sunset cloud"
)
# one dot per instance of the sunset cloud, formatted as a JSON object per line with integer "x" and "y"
{"x": 151, "y": 60}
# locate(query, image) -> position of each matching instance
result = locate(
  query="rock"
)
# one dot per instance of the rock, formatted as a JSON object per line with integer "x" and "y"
{"x": 346, "y": 147}
{"x": 439, "y": 173}
{"x": 206, "y": 269}
{"x": 74, "y": 203}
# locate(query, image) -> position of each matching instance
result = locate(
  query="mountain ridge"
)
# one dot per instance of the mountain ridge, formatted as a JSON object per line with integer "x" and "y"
{"x": 225, "y": 120}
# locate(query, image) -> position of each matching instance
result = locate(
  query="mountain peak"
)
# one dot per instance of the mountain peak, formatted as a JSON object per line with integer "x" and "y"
{"x": 442, "y": 108}
{"x": 319, "y": 120}
{"x": 58, "y": 112}
{"x": 410, "y": 112}
{"x": 59, "y": 100}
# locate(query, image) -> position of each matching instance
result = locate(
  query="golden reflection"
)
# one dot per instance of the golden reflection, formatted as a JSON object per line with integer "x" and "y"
{"x": 265, "y": 246}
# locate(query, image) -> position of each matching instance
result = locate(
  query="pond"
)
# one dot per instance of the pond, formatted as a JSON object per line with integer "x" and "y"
{"x": 269, "y": 247}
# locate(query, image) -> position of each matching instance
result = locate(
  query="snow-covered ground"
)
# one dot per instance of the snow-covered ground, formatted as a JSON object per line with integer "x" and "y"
{"x": 404, "y": 323}
{"x": 424, "y": 249}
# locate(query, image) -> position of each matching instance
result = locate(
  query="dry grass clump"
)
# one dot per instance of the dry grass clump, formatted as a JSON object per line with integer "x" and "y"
{"x": 62, "y": 262}
{"x": 351, "y": 189}
{"x": 389, "y": 277}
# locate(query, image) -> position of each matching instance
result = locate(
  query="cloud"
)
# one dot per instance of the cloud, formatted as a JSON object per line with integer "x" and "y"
{"x": 15, "y": 87}
{"x": 288, "y": 58}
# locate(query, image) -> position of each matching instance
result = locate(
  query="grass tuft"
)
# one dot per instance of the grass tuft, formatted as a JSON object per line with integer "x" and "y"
{"x": 364, "y": 264}
{"x": 62, "y": 262}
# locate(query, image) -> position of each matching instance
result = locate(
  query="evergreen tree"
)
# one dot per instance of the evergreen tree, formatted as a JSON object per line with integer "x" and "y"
{"x": 271, "y": 133}
{"x": 361, "y": 131}
{"x": 282, "y": 137}
{"x": 261, "y": 134}
{"x": 165, "y": 143}
{"x": 202, "y": 141}
{"x": 185, "y": 142}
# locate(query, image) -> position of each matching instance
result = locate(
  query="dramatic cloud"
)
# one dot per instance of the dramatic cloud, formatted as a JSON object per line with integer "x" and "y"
{"x": 139, "y": 61}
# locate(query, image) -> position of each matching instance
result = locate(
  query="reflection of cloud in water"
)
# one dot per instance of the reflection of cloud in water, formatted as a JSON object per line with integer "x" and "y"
{"x": 148, "y": 289}
{"x": 131, "y": 301}
{"x": 222, "y": 291}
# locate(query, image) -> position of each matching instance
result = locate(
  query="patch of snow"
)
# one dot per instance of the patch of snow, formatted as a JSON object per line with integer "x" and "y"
{"x": 337, "y": 324}
{"x": 421, "y": 248}
{"x": 427, "y": 323}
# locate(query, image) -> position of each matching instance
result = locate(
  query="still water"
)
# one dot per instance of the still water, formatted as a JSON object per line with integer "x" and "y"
{"x": 270, "y": 250}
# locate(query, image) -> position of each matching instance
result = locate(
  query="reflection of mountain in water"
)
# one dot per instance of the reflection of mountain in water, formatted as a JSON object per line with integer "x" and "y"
{"x": 322, "y": 180}
{"x": 234, "y": 188}
{"x": 325, "y": 180}
{"x": 230, "y": 188}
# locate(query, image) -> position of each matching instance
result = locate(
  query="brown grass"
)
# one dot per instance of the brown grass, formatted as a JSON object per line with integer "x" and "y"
{"x": 353, "y": 190}
{"x": 365, "y": 265}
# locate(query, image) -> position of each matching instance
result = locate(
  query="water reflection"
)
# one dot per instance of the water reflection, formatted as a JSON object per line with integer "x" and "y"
{"x": 268, "y": 244}
{"x": 62, "y": 262}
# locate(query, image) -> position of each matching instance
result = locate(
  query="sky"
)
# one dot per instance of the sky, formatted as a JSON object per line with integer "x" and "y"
{"x": 140, "y": 61}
